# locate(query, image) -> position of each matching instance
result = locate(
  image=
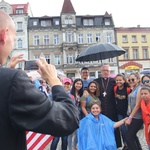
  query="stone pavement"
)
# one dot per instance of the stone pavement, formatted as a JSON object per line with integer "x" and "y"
{"x": 140, "y": 134}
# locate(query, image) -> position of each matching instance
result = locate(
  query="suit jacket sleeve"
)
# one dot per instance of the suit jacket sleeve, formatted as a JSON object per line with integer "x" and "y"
{"x": 32, "y": 110}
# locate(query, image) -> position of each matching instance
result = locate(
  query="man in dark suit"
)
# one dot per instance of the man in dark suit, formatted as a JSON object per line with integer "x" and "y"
{"x": 107, "y": 98}
{"x": 22, "y": 106}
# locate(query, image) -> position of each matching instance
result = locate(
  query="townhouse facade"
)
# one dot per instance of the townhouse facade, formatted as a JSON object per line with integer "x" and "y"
{"x": 136, "y": 42}
{"x": 61, "y": 38}
{"x": 19, "y": 14}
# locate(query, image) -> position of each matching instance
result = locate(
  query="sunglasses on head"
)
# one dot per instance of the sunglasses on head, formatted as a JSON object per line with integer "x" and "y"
{"x": 145, "y": 81}
{"x": 131, "y": 80}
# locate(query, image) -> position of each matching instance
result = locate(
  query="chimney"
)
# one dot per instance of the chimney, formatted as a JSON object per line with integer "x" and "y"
{"x": 138, "y": 26}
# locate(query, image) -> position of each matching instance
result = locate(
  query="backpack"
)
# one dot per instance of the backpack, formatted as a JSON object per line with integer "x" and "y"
{"x": 128, "y": 90}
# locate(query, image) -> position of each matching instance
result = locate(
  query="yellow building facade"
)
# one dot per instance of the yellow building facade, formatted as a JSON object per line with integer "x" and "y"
{"x": 136, "y": 42}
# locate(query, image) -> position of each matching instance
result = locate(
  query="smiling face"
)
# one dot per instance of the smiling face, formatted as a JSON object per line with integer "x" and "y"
{"x": 120, "y": 81}
{"x": 133, "y": 80}
{"x": 67, "y": 86}
{"x": 92, "y": 88}
{"x": 105, "y": 71}
{"x": 85, "y": 74}
{"x": 78, "y": 85}
{"x": 95, "y": 110}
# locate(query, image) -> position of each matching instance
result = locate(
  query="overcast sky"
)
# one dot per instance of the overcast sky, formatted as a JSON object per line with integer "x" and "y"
{"x": 126, "y": 13}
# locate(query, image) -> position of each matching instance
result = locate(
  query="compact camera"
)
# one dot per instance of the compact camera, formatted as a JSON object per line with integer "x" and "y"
{"x": 30, "y": 65}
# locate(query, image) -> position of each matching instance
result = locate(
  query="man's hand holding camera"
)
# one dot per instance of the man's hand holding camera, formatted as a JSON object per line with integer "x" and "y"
{"x": 48, "y": 72}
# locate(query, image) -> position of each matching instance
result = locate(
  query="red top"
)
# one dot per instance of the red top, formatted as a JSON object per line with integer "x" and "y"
{"x": 146, "y": 118}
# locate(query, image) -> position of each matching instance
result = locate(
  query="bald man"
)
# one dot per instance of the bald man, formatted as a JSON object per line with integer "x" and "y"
{"x": 22, "y": 106}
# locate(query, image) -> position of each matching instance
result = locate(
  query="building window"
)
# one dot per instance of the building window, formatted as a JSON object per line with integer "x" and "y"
{"x": 80, "y": 38}
{"x": 47, "y": 57}
{"x": 19, "y": 26}
{"x": 70, "y": 75}
{"x": 46, "y": 39}
{"x": 145, "y": 54}
{"x": 88, "y": 22}
{"x": 57, "y": 60}
{"x": 107, "y": 22}
{"x": 134, "y": 39}
{"x": 19, "y": 11}
{"x": 68, "y": 20}
{"x": 69, "y": 37}
{"x": 124, "y": 39}
{"x": 57, "y": 22}
{"x": 37, "y": 56}
{"x": 56, "y": 39}
{"x": 45, "y": 23}
{"x": 110, "y": 60}
{"x": 89, "y": 38}
{"x": 70, "y": 58}
{"x": 109, "y": 37}
{"x": 135, "y": 54}
{"x": 36, "y": 40}
{"x": 34, "y": 23}
{"x": 98, "y": 37}
{"x": 19, "y": 43}
{"x": 144, "y": 39}
{"x": 126, "y": 55}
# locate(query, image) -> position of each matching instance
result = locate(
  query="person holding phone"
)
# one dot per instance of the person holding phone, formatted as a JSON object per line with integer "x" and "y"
{"x": 22, "y": 106}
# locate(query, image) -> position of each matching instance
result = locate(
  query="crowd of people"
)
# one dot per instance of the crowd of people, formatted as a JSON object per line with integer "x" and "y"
{"x": 119, "y": 102}
{"x": 108, "y": 108}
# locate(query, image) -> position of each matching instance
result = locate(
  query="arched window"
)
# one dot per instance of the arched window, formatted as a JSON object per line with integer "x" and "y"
{"x": 19, "y": 43}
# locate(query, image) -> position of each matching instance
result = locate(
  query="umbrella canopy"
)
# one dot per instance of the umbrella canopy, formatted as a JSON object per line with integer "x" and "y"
{"x": 100, "y": 51}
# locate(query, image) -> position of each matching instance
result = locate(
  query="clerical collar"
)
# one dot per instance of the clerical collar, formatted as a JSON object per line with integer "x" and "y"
{"x": 105, "y": 78}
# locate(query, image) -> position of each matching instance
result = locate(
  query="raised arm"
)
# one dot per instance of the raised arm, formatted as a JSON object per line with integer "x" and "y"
{"x": 136, "y": 108}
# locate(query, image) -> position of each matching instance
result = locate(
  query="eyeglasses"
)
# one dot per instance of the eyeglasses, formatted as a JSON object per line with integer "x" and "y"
{"x": 145, "y": 81}
{"x": 105, "y": 70}
{"x": 131, "y": 80}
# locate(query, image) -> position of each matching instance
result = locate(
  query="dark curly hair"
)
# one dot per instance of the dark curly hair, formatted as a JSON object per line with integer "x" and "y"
{"x": 97, "y": 92}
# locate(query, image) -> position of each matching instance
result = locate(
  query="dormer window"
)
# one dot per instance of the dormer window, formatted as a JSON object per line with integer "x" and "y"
{"x": 68, "y": 20}
{"x": 19, "y": 11}
{"x": 34, "y": 23}
{"x": 45, "y": 23}
{"x": 57, "y": 22}
{"x": 107, "y": 22}
{"x": 88, "y": 22}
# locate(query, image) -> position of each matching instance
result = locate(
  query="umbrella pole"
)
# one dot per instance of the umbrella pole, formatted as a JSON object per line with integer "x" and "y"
{"x": 118, "y": 65}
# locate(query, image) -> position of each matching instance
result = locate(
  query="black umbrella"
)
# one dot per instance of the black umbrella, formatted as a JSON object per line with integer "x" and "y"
{"x": 100, "y": 51}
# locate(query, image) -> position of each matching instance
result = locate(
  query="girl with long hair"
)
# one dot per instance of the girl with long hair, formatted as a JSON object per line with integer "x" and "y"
{"x": 121, "y": 91}
{"x": 93, "y": 94}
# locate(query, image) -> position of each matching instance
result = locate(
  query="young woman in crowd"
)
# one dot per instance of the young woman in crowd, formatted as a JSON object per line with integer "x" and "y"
{"x": 121, "y": 91}
{"x": 146, "y": 80}
{"x": 96, "y": 131}
{"x": 145, "y": 107}
{"x": 77, "y": 92}
{"x": 134, "y": 120}
{"x": 93, "y": 93}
